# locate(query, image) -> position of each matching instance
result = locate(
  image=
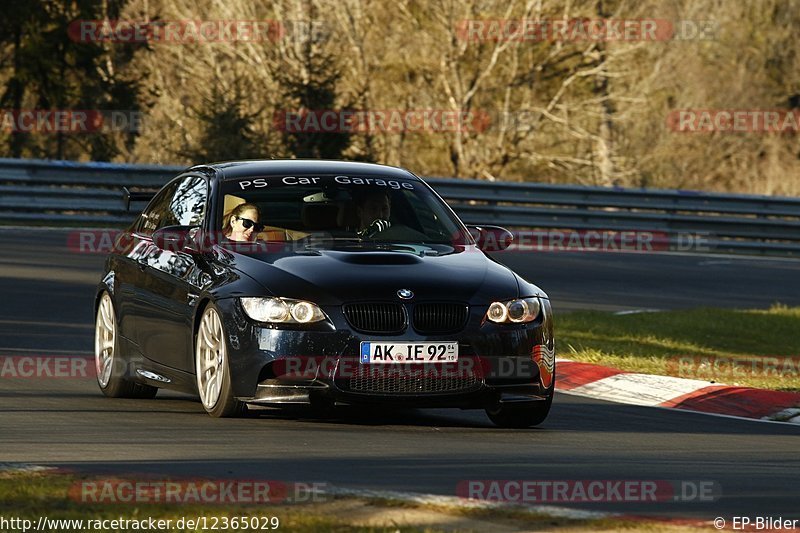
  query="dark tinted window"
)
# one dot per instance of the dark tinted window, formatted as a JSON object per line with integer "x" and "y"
{"x": 182, "y": 203}
{"x": 157, "y": 214}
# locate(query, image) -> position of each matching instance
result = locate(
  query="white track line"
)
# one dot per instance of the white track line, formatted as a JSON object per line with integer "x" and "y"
{"x": 463, "y": 503}
{"x": 640, "y": 389}
{"x": 24, "y": 467}
{"x": 692, "y": 411}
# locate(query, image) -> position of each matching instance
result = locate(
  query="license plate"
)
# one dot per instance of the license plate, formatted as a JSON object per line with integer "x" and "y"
{"x": 408, "y": 352}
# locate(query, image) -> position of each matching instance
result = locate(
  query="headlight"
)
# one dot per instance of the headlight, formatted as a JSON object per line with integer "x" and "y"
{"x": 282, "y": 310}
{"x": 514, "y": 311}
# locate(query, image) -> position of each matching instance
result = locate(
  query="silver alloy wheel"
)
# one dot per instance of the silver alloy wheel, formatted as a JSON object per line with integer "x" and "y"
{"x": 104, "y": 336}
{"x": 210, "y": 358}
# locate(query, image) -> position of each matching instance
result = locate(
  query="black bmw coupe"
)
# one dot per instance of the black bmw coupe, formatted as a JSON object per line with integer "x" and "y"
{"x": 319, "y": 282}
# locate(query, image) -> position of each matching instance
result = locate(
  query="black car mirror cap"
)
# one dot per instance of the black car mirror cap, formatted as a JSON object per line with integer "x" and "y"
{"x": 175, "y": 238}
{"x": 491, "y": 238}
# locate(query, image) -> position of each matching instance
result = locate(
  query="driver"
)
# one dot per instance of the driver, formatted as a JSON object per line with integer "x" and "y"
{"x": 242, "y": 223}
{"x": 373, "y": 210}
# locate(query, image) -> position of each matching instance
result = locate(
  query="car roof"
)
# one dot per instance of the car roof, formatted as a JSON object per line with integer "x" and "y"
{"x": 230, "y": 170}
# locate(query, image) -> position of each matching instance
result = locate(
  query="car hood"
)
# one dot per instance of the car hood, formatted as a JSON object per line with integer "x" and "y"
{"x": 331, "y": 277}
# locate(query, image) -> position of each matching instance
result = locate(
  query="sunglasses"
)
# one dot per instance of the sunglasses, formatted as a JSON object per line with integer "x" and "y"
{"x": 247, "y": 223}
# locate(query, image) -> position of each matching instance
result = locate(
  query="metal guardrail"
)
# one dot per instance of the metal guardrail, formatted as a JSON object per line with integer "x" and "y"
{"x": 64, "y": 192}
{"x": 71, "y": 193}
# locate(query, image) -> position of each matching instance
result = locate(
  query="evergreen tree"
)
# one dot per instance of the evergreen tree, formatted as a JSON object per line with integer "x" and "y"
{"x": 310, "y": 86}
{"x": 54, "y": 70}
{"x": 227, "y": 130}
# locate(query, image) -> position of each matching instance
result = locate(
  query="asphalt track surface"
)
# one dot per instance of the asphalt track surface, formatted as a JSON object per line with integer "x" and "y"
{"x": 46, "y": 310}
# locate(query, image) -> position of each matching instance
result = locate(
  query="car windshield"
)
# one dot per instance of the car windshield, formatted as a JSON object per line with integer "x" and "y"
{"x": 355, "y": 210}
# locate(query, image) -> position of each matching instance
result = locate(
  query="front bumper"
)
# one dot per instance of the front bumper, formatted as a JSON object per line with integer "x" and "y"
{"x": 503, "y": 363}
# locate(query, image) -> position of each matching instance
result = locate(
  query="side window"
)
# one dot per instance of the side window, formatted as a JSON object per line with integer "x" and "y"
{"x": 156, "y": 214}
{"x": 189, "y": 203}
{"x": 182, "y": 203}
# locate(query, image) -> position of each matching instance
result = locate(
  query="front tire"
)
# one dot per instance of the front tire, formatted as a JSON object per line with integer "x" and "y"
{"x": 213, "y": 369}
{"x": 109, "y": 362}
{"x": 520, "y": 415}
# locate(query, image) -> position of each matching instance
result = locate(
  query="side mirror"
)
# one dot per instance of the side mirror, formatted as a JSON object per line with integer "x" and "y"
{"x": 491, "y": 238}
{"x": 175, "y": 238}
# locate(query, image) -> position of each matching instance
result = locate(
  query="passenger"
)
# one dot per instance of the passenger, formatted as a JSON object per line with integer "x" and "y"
{"x": 373, "y": 210}
{"x": 242, "y": 223}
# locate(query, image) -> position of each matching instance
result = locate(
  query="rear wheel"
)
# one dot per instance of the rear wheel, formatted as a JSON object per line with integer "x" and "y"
{"x": 109, "y": 363}
{"x": 520, "y": 415}
{"x": 212, "y": 368}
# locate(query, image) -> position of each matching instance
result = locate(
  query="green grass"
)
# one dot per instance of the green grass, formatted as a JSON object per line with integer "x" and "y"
{"x": 31, "y": 495}
{"x": 757, "y": 348}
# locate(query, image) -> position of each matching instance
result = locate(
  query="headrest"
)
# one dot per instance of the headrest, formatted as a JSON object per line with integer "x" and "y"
{"x": 348, "y": 216}
{"x": 320, "y": 216}
{"x": 231, "y": 202}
